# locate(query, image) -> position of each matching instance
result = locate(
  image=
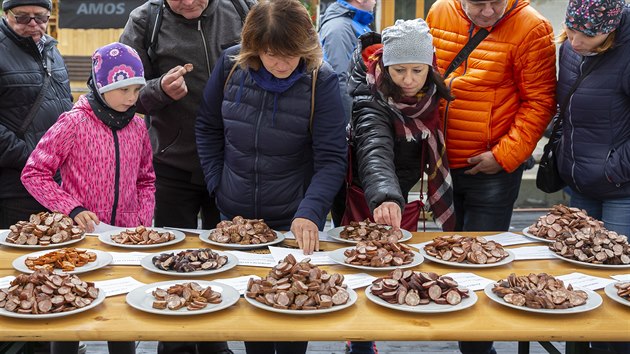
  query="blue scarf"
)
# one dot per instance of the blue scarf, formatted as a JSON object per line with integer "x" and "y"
{"x": 263, "y": 78}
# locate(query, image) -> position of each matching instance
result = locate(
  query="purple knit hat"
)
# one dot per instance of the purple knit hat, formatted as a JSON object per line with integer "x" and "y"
{"x": 116, "y": 65}
{"x": 593, "y": 17}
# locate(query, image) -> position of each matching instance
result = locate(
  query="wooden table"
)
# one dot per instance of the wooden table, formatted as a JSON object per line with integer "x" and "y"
{"x": 486, "y": 320}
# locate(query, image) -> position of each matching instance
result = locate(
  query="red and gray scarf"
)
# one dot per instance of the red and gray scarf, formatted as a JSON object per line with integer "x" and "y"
{"x": 419, "y": 120}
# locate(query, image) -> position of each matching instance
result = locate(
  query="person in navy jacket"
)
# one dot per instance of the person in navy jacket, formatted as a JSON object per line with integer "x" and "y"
{"x": 262, "y": 154}
{"x": 593, "y": 154}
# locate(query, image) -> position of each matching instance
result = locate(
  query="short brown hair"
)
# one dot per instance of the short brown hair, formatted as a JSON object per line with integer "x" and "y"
{"x": 283, "y": 27}
{"x": 605, "y": 46}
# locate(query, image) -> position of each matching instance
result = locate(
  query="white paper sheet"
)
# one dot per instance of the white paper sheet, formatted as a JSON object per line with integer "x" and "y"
{"x": 621, "y": 277}
{"x": 254, "y": 259}
{"x": 533, "y": 252}
{"x": 191, "y": 231}
{"x": 118, "y": 286}
{"x": 509, "y": 239}
{"x": 5, "y": 282}
{"x": 317, "y": 258}
{"x": 584, "y": 281}
{"x": 471, "y": 281}
{"x": 102, "y": 227}
{"x": 238, "y": 283}
{"x": 127, "y": 258}
{"x": 359, "y": 280}
{"x": 323, "y": 236}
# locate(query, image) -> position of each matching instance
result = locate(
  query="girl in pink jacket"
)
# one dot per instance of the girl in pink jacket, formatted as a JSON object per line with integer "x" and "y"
{"x": 101, "y": 148}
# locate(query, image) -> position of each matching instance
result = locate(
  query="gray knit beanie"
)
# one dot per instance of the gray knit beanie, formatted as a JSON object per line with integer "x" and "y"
{"x": 9, "y": 4}
{"x": 407, "y": 42}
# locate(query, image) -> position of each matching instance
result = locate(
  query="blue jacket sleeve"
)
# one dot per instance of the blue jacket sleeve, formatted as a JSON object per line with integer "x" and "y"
{"x": 209, "y": 127}
{"x": 329, "y": 151}
{"x": 338, "y": 43}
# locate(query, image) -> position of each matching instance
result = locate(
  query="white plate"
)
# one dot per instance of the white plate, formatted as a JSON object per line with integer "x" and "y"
{"x": 431, "y": 307}
{"x": 106, "y": 238}
{"x": 351, "y": 301}
{"x": 593, "y": 302}
{"x": 338, "y": 257}
{"x": 3, "y": 241}
{"x": 533, "y": 237}
{"x": 511, "y": 256}
{"x": 147, "y": 263}
{"x": 103, "y": 259}
{"x": 100, "y": 298}
{"x": 141, "y": 298}
{"x": 592, "y": 265}
{"x": 334, "y": 234}
{"x": 205, "y": 237}
{"x": 611, "y": 292}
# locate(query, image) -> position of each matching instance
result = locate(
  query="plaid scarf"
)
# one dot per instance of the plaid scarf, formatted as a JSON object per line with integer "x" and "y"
{"x": 417, "y": 120}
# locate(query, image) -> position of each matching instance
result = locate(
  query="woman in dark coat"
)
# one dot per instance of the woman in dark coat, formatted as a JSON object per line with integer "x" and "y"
{"x": 396, "y": 132}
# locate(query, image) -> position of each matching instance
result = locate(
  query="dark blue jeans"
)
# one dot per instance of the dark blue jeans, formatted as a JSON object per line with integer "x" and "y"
{"x": 361, "y": 348}
{"x": 276, "y": 347}
{"x": 484, "y": 203}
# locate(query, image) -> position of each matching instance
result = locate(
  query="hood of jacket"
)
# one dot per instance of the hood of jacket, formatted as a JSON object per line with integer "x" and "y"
{"x": 343, "y": 9}
{"x": 357, "y": 84}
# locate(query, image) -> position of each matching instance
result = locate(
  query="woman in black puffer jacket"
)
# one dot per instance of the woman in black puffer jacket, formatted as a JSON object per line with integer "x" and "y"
{"x": 395, "y": 126}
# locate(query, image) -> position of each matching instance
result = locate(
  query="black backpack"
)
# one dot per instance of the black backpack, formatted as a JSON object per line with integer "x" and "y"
{"x": 155, "y": 22}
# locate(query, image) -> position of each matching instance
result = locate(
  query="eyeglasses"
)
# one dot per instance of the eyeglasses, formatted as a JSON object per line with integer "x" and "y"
{"x": 26, "y": 19}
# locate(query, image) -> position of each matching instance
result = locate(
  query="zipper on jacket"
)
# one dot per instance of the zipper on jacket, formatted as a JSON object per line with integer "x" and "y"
{"x": 205, "y": 47}
{"x": 116, "y": 178}
{"x": 568, "y": 113}
{"x": 256, "y": 132}
{"x": 179, "y": 132}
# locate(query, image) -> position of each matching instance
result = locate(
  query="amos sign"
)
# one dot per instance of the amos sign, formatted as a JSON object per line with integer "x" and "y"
{"x": 95, "y": 13}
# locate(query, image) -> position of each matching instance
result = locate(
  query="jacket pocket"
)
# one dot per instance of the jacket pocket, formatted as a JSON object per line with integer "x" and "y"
{"x": 164, "y": 148}
{"x": 611, "y": 166}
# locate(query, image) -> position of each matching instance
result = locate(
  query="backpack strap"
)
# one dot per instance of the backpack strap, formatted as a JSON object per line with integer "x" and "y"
{"x": 242, "y": 12}
{"x": 154, "y": 22}
{"x": 313, "y": 85}
{"x": 229, "y": 75}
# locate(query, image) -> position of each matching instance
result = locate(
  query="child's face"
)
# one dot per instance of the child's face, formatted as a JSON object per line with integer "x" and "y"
{"x": 123, "y": 98}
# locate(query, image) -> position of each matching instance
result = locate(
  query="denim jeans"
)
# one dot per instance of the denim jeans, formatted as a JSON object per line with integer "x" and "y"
{"x": 276, "y": 347}
{"x": 484, "y": 203}
{"x": 615, "y": 213}
{"x": 361, "y": 348}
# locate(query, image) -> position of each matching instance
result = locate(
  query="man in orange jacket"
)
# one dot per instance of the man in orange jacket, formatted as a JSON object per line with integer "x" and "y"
{"x": 504, "y": 98}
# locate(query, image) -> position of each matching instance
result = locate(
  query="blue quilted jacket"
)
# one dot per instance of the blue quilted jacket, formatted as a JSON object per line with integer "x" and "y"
{"x": 594, "y": 151}
{"x": 257, "y": 153}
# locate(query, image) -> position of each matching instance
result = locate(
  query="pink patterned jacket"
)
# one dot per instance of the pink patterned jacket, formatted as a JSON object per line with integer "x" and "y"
{"x": 82, "y": 148}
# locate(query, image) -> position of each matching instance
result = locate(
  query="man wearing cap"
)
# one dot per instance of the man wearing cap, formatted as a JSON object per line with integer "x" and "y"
{"x": 504, "y": 98}
{"x": 31, "y": 66}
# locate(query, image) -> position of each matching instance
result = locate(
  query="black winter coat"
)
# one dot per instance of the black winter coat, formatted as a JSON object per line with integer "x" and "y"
{"x": 22, "y": 72}
{"x": 594, "y": 153}
{"x": 387, "y": 167}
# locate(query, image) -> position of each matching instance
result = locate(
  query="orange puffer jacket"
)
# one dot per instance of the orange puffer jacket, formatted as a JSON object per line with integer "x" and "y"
{"x": 505, "y": 90}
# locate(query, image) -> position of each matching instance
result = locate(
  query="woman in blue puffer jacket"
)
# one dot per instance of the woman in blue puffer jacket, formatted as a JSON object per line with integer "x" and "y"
{"x": 265, "y": 152}
{"x": 593, "y": 154}
{"x": 594, "y": 150}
